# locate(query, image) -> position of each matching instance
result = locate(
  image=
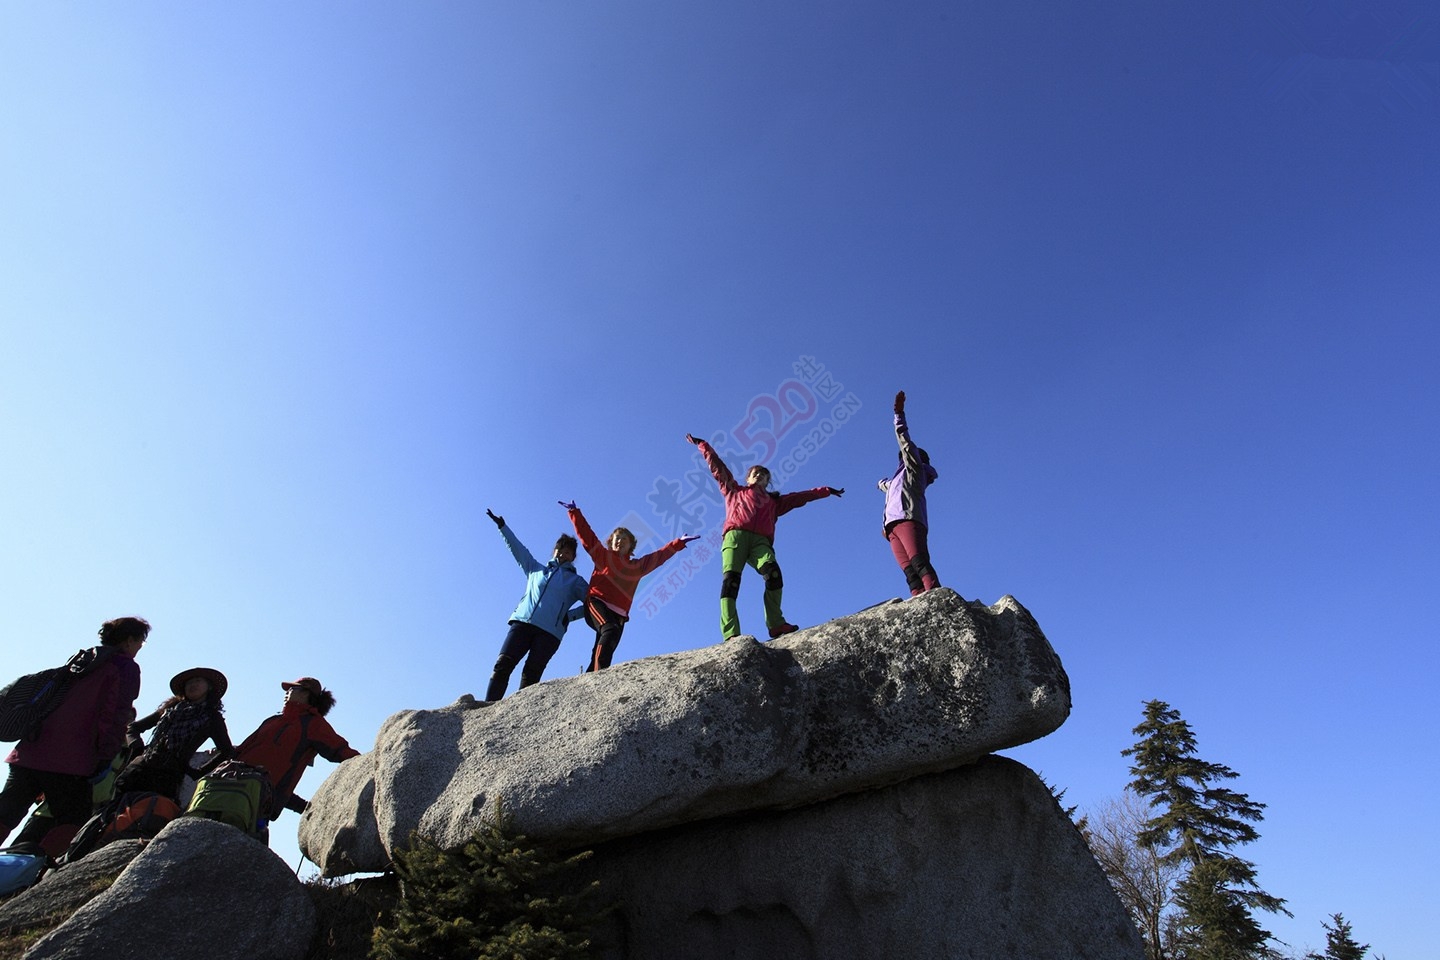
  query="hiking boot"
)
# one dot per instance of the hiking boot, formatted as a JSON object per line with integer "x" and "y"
{"x": 783, "y": 629}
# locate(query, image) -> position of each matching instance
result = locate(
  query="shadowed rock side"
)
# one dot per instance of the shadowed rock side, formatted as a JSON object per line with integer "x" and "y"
{"x": 200, "y": 889}
{"x": 978, "y": 862}
{"x": 892, "y": 692}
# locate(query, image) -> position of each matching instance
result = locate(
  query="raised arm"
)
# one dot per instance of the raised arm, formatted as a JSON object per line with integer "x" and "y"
{"x": 588, "y": 540}
{"x": 517, "y": 549}
{"x": 909, "y": 452}
{"x": 718, "y": 470}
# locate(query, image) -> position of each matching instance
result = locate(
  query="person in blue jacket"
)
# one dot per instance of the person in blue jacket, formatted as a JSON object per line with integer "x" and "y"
{"x": 539, "y": 622}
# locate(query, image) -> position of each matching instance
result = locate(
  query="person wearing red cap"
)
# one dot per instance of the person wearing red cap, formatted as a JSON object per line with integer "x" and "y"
{"x": 287, "y": 743}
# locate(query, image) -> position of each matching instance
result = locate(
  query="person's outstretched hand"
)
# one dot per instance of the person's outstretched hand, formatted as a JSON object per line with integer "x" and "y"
{"x": 691, "y": 438}
{"x": 499, "y": 521}
{"x": 836, "y": 491}
{"x": 568, "y": 504}
{"x": 689, "y": 539}
{"x": 900, "y": 402}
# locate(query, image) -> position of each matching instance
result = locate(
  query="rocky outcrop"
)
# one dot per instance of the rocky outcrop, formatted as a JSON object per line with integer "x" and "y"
{"x": 975, "y": 862}
{"x": 200, "y": 888}
{"x": 63, "y": 890}
{"x": 893, "y": 692}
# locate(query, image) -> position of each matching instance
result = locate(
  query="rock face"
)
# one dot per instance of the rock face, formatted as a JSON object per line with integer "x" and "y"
{"x": 66, "y": 888}
{"x": 200, "y": 888}
{"x": 976, "y": 862}
{"x": 888, "y": 694}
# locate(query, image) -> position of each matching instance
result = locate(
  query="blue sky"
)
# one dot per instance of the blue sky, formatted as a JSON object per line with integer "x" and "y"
{"x": 291, "y": 295}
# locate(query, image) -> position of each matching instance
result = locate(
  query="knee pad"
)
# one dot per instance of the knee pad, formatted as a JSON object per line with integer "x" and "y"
{"x": 771, "y": 573}
{"x": 730, "y": 585}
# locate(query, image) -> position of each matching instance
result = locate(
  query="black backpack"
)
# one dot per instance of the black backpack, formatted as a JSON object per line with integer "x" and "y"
{"x": 26, "y": 703}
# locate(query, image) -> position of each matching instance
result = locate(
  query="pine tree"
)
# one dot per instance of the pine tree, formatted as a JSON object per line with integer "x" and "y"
{"x": 499, "y": 897}
{"x": 1339, "y": 944}
{"x": 1197, "y": 823}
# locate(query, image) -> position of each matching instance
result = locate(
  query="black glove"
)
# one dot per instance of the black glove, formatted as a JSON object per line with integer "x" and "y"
{"x": 499, "y": 521}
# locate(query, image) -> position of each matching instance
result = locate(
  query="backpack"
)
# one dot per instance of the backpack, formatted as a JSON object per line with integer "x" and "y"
{"x": 234, "y": 793}
{"x": 26, "y": 702}
{"x": 19, "y": 869}
{"x": 130, "y": 816}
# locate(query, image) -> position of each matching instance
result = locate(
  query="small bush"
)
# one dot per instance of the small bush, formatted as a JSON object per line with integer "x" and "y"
{"x": 498, "y": 897}
{"x": 347, "y": 915}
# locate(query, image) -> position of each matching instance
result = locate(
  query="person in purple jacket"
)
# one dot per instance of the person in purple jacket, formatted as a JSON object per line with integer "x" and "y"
{"x": 906, "y": 521}
{"x": 78, "y": 740}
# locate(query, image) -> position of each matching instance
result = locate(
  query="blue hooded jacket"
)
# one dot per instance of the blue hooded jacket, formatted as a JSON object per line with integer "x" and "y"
{"x": 550, "y": 589}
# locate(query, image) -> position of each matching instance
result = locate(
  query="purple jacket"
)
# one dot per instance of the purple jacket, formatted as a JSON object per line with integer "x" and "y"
{"x": 88, "y": 728}
{"x": 905, "y": 491}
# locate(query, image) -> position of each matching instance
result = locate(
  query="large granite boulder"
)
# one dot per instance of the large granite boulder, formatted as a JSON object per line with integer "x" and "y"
{"x": 893, "y": 692}
{"x": 200, "y": 888}
{"x": 975, "y": 862}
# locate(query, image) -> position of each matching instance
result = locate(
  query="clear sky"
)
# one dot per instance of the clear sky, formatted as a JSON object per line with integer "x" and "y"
{"x": 290, "y": 294}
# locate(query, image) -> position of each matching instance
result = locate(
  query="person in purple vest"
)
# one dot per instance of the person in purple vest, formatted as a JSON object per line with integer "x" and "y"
{"x": 906, "y": 520}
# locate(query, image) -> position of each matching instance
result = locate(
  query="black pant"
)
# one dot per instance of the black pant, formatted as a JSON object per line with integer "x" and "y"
{"x": 68, "y": 795}
{"x": 524, "y": 640}
{"x": 608, "y": 625}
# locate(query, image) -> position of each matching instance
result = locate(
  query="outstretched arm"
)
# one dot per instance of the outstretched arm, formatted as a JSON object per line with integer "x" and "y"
{"x": 650, "y": 561}
{"x": 789, "y": 501}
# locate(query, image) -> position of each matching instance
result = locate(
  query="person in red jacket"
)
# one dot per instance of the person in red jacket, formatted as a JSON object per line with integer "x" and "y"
{"x": 750, "y": 514}
{"x": 612, "y": 586}
{"x": 287, "y": 743}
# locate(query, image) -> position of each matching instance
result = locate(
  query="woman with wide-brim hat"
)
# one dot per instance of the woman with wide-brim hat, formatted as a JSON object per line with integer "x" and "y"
{"x": 182, "y": 723}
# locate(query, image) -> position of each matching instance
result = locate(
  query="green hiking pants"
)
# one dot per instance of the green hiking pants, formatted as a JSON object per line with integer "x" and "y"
{"x": 737, "y": 549}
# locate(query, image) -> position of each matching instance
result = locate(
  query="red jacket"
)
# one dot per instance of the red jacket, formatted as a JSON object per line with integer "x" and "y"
{"x": 287, "y": 743}
{"x": 752, "y": 508}
{"x": 617, "y": 577}
{"x": 87, "y": 729}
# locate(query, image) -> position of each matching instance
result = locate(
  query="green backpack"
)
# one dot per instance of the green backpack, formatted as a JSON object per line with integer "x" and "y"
{"x": 233, "y": 793}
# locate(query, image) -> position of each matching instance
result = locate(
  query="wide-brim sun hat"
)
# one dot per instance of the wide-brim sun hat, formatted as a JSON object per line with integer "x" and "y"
{"x": 218, "y": 683}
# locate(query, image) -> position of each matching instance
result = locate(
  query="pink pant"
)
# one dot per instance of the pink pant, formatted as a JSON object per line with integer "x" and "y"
{"x": 908, "y": 541}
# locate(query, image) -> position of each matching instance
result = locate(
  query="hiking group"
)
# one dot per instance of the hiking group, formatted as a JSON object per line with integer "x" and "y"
{"x": 556, "y": 595}
{"x": 82, "y": 759}
{"x": 81, "y": 752}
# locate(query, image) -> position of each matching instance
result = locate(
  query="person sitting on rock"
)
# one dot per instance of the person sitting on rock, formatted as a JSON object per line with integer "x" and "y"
{"x": 613, "y": 584}
{"x": 193, "y": 715}
{"x": 77, "y": 740}
{"x": 906, "y": 522}
{"x": 285, "y": 745}
{"x": 750, "y": 514}
{"x": 539, "y": 621}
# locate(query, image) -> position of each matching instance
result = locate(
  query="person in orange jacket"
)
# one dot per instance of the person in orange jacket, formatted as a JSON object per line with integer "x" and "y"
{"x": 613, "y": 584}
{"x": 287, "y": 743}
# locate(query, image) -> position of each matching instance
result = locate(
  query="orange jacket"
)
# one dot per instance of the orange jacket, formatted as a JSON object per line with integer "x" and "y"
{"x": 616, "y": 577}
{"x": 287, "y": 743}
